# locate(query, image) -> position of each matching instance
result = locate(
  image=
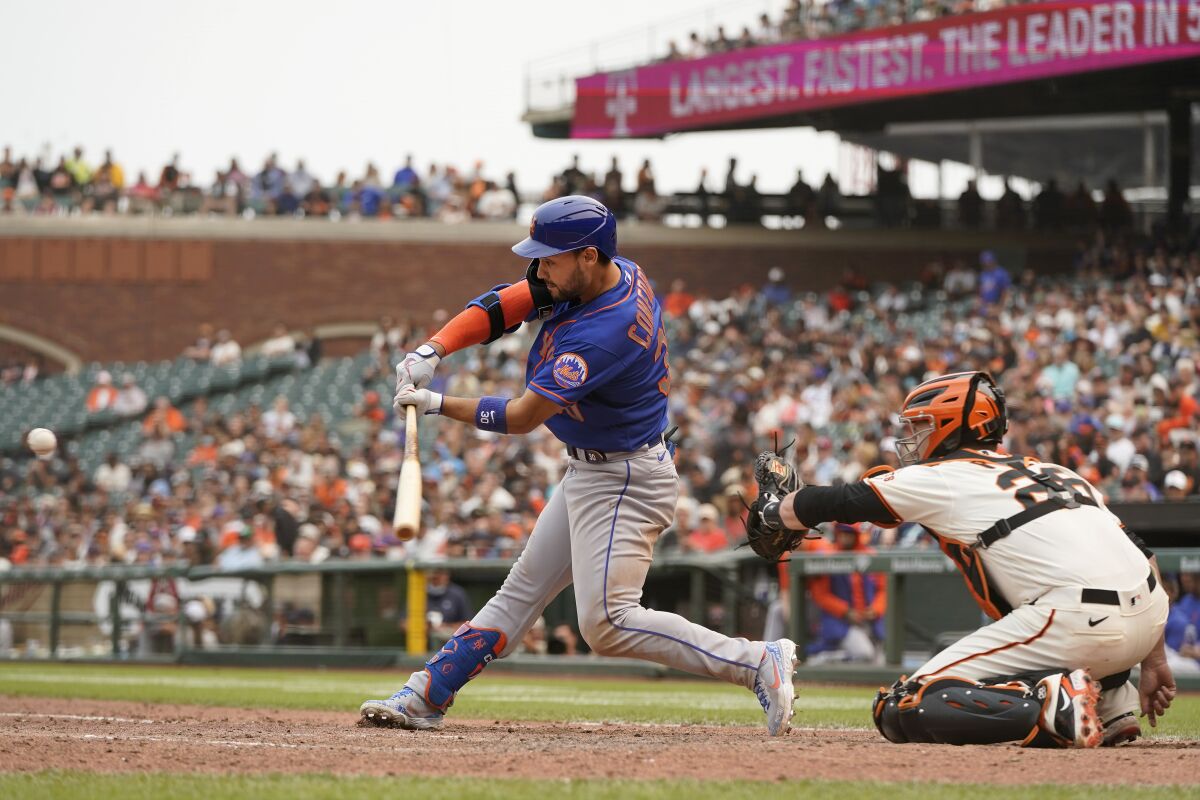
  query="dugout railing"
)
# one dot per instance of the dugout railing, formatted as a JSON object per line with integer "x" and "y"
{"x": 363, "y": 613}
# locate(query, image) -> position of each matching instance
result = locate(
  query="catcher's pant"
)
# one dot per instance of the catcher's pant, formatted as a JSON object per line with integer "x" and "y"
{"x": 1060, "y": 631}
{"x": 598, "y": 531}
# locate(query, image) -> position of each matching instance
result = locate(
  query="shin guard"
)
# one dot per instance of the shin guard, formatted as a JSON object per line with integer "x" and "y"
{"x": 949, "y": 710}
{"x": 469, "y": 650}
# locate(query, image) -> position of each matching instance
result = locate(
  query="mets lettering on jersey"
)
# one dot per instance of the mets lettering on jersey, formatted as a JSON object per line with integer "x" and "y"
{"x": 605, "y": 363}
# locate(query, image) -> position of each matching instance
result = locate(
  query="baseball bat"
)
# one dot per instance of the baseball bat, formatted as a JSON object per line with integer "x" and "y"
{"x": 407, "y": 518}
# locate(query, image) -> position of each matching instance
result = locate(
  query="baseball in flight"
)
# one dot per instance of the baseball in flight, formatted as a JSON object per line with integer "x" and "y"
{"x": 42, "y": 441}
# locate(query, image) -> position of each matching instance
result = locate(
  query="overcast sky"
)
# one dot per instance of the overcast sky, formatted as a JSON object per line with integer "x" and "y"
{"x": 343, "y": 83}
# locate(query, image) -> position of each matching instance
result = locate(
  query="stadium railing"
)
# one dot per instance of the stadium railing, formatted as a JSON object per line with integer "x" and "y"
{"x": 350, "y": 612}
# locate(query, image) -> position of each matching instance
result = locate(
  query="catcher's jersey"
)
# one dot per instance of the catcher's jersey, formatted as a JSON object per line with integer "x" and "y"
{"x": 958, "y": 498}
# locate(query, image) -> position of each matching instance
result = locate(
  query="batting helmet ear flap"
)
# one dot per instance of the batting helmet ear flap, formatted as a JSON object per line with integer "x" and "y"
{"x": 542, "y": 301}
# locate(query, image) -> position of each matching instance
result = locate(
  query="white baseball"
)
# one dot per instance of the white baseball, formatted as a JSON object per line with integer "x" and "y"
{"x": 42, "y": 441}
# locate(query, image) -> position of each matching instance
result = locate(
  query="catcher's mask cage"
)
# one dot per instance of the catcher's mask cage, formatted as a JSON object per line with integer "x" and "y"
{"x": 948, "y": 412}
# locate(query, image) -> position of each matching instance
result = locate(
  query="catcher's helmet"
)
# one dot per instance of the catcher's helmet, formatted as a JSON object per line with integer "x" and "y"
{"x": 569, "y": 223}
{"x": 949, "y": 412}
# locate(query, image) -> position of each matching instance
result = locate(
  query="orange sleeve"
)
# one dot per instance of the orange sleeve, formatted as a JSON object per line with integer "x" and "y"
{"x": 879, "y": 604}
{"x": 471, "y": 325}
{"x": 824, "y": 597}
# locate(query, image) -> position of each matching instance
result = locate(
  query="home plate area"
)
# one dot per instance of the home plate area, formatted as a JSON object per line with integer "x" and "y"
{"x": 103, "y": 736}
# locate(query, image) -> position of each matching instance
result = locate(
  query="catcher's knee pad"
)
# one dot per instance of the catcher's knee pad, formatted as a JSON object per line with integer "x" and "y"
{"x": 949, "y": 710}
{"x": 469, "y": 650}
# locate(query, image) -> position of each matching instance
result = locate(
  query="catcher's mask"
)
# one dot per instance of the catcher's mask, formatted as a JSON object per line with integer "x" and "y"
{"x": 948, "y": 412}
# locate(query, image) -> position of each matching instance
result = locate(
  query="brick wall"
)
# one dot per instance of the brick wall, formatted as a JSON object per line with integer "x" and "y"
{"x": 132, "y": 298}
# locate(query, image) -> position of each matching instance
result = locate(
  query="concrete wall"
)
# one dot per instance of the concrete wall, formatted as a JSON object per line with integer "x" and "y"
{"x": 132, "y": 289}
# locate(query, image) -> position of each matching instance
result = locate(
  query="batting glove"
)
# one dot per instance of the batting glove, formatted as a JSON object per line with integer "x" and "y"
{"x": 426, "y": 402}
{"x": 417, "y": 368}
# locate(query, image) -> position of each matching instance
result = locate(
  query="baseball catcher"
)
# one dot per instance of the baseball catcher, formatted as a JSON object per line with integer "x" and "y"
{"x": 1053, "y": 669}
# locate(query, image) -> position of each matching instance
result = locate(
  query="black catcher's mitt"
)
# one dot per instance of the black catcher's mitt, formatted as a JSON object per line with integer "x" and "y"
{"x": 764, "y": 529}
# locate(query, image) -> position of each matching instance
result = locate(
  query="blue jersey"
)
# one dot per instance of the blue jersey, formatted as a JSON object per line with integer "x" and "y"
{"x": 605, "y": 363}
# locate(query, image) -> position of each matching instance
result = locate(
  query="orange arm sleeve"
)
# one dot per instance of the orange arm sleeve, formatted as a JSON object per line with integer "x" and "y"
{"x": 825, "y": 599}
{"x": 471, "y": 326}
{"x": 879, "y": 604}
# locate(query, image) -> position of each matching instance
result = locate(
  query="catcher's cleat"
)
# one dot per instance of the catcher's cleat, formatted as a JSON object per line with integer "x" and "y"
{"x": 773, "y": 685}
{"x": 1069, "y": 710}
{"x": 402, "y": 710}
{"x": 1122, "y": 730}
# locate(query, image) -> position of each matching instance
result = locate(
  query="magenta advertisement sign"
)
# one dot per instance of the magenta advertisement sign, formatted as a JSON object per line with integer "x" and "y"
{"x": 1020, "y": 43}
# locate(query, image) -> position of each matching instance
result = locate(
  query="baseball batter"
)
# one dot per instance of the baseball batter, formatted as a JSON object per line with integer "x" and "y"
{"x": 1076, "y": 597}
{"x": 598, "y": 378}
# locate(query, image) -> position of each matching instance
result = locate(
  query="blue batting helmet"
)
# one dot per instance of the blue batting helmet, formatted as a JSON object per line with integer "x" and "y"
{"x": 569, "y": 223}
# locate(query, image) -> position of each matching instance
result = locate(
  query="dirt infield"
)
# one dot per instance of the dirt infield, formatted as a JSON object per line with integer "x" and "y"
{"x": 38, "y": 734}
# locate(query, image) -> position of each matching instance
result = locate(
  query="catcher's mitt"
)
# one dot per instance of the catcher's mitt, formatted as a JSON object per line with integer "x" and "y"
{"x": 764, "y": 529}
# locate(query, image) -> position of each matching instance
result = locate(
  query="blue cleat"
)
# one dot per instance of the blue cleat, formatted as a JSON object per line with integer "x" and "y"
{"x": 404, "y": 709}
{"x": 773, "y": 685}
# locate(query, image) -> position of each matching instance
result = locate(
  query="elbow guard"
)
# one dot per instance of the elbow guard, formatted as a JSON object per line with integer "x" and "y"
{"x": 543, "y": 303}
{"x": 490, "y": 302}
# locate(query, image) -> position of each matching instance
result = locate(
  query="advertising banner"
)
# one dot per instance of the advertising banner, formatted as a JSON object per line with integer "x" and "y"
{"x": 1019, "y": 43}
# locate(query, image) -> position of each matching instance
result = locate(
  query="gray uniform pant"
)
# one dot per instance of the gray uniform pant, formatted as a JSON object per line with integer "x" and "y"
{"x": 598, "y": 531}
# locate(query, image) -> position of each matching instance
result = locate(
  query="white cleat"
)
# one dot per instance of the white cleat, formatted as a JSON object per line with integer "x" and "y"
{"x": 402, "y": 710}
{"x": 773, "y": 685}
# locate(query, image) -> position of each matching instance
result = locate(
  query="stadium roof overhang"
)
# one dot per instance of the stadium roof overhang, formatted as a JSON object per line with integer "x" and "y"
{"x": 1009, "y": 91}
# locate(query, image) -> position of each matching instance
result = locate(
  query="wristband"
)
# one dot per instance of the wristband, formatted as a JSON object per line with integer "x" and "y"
{"x": 491, "y": 414}
{"x": 427, "y": 352}
{"x": 770, "y": 515}
{"x": 435, "y": 404}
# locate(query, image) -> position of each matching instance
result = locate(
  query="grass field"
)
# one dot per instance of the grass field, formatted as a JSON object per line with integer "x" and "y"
{"x": 292, "y": 787}
{"x": 500, "y": 697}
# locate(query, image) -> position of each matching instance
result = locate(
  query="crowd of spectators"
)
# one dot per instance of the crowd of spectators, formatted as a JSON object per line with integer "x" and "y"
{"x": 31, "y": 185}
{"x": 818, "y": 19}
{"x": 1099, "y": 365}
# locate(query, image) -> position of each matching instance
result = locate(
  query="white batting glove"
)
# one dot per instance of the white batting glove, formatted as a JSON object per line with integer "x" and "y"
{"x": 426, "y": 402}
{"x": 417, "y": 368}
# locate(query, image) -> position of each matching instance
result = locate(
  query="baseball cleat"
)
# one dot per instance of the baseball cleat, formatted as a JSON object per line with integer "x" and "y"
{"x": 402, "y": 710}
{"x": 1069, "y": 713}
{"x": 1122, "y": 730}
{"x": 773, "y": 685}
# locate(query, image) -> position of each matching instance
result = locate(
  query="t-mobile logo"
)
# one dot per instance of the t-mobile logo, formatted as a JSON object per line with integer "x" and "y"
{"x": 621, "y": 90}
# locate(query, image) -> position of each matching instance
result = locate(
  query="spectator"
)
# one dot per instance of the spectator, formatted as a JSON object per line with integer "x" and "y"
{"x": 447, "y": 606}
{"x": 103, "y": 394}
{"x": 994, "y": 280}
{"x": 226, "y": 352}
{"x": 1115, "y": 214}
{"x": 1010, "y": 209}
{"x": 829, "y": 199}
{"x": 201, "y": 349}
{"x": 708, "y": 537}
{"x": 767, "y": 31}
{"x": 279, "y": 422}
{"x": 1061, "y": 377}
{"x": 406, "y": 176}
{"x": 1121, "y": 450}
{"x": 301, "y": 180}
{"x": 1049, "y": 207}
{"x": 239, "y": 551}
{"x": 960, "y": 280}
{"x": 696, "y": 48}
{"x": 113, "y": 476}
{"x": 970, "y": 207}
{"x": 164, "y": 417}
{"x": 130, "y": 400}
{"x": 1176, "y": 486}
{"x": 852, "y": 606}
{"x": 1080, "y": 209}
{"x": 281, "y": 344}
{"x": 496, "y": 203}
